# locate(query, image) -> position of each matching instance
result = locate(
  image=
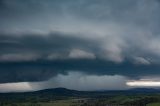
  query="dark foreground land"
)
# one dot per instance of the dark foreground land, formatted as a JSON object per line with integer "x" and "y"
{"x": 65, "y": 97}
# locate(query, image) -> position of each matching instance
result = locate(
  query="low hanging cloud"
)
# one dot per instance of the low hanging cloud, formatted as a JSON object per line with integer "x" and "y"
{"x": 89, "y": 82}
{"x": 83, "y": 82}
{"x": 70, "y": 81}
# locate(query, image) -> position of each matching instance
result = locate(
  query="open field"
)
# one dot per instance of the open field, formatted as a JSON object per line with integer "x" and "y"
{"x": 70, "y": 102}
{"x": 154, "y": 104}
{"x": 113, "y": 101}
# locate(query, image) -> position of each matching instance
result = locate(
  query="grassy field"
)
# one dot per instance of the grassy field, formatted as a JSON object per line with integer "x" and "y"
{"x": 61, "y": 103}
{"x": 69, "y": 102}
{"x": 154, "y": 104}
{"x": 125, "y": 100}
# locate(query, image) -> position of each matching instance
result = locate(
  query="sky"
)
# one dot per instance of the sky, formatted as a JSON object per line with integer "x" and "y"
{"x": 79, "y": 44}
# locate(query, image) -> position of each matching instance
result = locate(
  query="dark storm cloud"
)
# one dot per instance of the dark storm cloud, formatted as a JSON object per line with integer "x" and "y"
{"x": 40, "y": 15}
{"x": 32, "y": 47}
{"x": 54, "y": 42}
{"x": 41, "y": 39}
{"x": 43, "y": 70}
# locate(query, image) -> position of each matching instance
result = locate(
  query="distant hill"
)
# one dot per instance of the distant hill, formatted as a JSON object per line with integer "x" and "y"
{"x": 69, "y": 92}
{"x": 145, "y": 90}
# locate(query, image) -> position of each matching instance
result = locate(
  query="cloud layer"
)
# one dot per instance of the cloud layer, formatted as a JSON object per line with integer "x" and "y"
{"x": 106, "y": 29}
{"x": 108, "y": 37}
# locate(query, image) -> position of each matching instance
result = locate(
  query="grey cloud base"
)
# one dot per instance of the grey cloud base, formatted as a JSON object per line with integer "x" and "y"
{"x": 44, "y": 70}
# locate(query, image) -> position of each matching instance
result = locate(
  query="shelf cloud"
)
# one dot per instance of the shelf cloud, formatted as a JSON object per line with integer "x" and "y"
{"x": 40, "y": 40}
